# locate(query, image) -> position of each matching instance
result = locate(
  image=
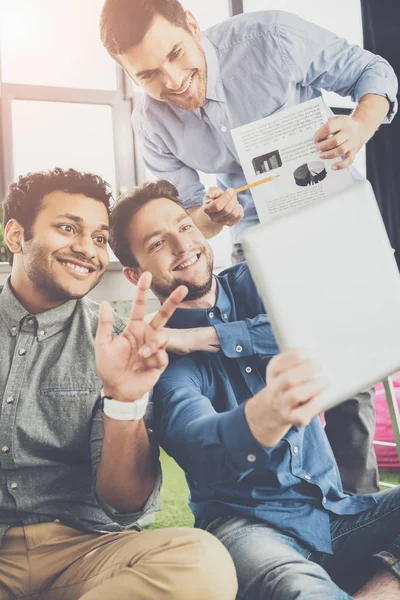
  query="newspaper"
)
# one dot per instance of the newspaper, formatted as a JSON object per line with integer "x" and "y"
{"x": 282, "y": 146}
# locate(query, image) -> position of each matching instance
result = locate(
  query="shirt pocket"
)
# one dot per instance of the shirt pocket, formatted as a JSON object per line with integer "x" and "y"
{"x": 274, "y": 106}
{"x": 58, "y": 429}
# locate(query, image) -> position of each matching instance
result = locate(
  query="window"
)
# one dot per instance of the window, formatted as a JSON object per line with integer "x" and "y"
{"x": 62, "y": 96}
{"x": 51, "y": 43}
{"x": 81, "y": 128}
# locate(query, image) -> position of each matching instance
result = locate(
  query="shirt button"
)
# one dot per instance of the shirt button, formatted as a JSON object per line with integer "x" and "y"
{"x": 14, "y": 485}
{"x": 225, "y": 316}
{"x": 211, "y": 314}
{"x": 295, "y": 449}
{"x": 41, "y": 332}
{"x": 224, "y": 129}
{"x": 5, "y": 449}
{"x": 307, "y": 476}
{"x": 251, "y": 457}
{"x": 31, "y": 321}
{"x": 238, "y": 348}
{"x": 324, "y": 500}
{"x": 22, "y": 352}
{"x": 248, "y": 369}
{"x": 10, "y": 400}
{"x": 14, "y": 330}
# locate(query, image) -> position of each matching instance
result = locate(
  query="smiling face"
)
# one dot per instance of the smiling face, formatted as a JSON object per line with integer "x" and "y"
{"x": 67, "y": 254}
{"x": 164, "y": 241}
{"x": 169, "y": 63}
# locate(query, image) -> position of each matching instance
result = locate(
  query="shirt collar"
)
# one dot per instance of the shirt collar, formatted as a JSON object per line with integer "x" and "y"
{"x": 48, "y": 322}
{"x": 215, "y": 89}
{"x": 187, "y": 318}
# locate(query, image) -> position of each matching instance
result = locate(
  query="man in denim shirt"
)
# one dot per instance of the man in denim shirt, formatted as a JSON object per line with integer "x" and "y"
{"x": 261, "y": 473}
{"x": 74, "y": 477}
{"x": 198, "y": 86}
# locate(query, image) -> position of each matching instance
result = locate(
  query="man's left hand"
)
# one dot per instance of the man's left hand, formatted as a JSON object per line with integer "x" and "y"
{"x": 341, "y": 136}
{"x": 130, "y": 364}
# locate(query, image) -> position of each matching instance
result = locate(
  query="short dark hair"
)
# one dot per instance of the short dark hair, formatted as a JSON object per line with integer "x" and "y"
{"x": 24, "y": 196}
{"x": 128, "y": 205}
{"x": 124, "y": 23}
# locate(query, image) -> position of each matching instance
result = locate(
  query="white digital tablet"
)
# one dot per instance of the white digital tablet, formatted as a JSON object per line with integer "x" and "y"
{"x": 330, "y": 284}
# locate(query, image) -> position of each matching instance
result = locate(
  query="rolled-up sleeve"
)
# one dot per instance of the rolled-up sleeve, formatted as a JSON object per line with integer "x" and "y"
{"x": 153, "y": 502}
{"x": 211, "y": 447}
{"x": 247, "y": 337}
{"x": 319, "y": 58}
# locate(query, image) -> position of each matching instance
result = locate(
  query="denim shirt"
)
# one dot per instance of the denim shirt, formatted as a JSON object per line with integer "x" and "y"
{"x": 257, "y": 64}
{"x": 199, "y": 407}
{"x": 51, "y": 424}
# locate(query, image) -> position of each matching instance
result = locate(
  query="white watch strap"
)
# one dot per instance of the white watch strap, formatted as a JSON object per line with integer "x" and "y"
{"x": 125, "y": 411}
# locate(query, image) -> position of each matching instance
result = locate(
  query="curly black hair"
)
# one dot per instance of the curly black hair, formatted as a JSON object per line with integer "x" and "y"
{"x": 128, "y": 205}
{"x": 23, "y": 198}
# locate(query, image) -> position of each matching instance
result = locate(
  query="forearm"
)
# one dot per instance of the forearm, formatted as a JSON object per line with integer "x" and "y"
{"x": 264, "y": 428}
{"x": 207, "y": 227}
{"x": 197, "y": 339}
{"x": 203, "y": 339}
{"x": 127, "y": 470}
{"x": 371, "y": 111}
{"x": 289, "y": 399}
{"x": 210, "y": 447}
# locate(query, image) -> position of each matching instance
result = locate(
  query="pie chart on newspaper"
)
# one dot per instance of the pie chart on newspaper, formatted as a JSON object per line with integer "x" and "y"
{"x": 310, "y": 173}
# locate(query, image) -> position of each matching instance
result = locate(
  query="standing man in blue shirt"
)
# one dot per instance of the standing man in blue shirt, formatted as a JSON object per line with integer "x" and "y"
{"x": 199, "y": 85}
{"x": 261, "y": 473}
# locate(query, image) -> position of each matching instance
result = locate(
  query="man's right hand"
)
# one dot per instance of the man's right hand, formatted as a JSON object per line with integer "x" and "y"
{"x": 288, "y": 399}
{"x": 223, "y": 207}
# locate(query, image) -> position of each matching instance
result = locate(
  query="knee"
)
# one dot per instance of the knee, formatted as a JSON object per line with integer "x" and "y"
{"x": 302, "y": 580}
{"x": 211, "y": 573}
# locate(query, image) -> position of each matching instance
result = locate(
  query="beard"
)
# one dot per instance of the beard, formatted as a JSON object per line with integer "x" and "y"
{"x": 162, "y": 287}
{"x": 196, "y": 102}
{"x": 35, "y": 262}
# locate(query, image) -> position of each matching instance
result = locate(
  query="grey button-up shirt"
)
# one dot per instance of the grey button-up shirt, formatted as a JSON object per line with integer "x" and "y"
{"x": 257, "y": 63}
{"x": 51, "y": 424}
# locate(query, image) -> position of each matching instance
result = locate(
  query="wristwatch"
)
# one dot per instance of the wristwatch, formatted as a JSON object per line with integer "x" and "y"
{"x": 124, "y": 411}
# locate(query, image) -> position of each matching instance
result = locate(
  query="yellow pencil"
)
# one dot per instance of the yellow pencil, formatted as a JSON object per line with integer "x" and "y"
{"x": 259, "y": 182}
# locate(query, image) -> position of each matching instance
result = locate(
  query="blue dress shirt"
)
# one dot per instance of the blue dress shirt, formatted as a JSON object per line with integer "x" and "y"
{"x": 199, "y": 407}
{"x": 257, "y": 63}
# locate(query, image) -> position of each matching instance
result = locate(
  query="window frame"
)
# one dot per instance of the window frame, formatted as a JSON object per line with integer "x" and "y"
{"x": 124, "y": 147}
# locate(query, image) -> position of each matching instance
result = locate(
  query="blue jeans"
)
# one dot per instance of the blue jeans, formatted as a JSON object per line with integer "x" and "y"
{"x": 274, "y": 566}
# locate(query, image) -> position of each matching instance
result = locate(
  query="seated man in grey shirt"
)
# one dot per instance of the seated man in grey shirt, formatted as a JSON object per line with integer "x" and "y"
{"x": 78, "y": 468}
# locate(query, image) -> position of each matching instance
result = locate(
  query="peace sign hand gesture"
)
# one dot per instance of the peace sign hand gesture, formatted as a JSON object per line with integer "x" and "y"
{"x": 130, "y": 364}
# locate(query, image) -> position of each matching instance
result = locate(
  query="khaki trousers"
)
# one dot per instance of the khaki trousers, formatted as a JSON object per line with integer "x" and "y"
{"x": 55, "y": 562}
